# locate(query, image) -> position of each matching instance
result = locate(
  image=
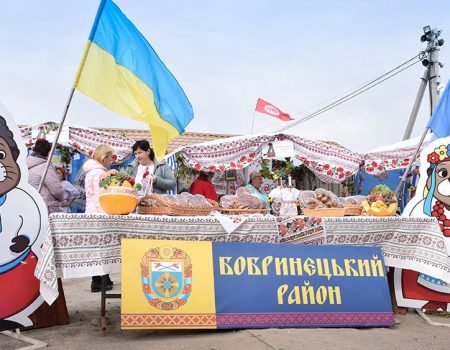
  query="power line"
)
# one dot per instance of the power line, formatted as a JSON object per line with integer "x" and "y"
{"x": 356, "y": 92}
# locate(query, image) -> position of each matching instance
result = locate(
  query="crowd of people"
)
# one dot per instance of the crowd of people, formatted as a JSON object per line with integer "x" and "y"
{"x": 154, "y": 176}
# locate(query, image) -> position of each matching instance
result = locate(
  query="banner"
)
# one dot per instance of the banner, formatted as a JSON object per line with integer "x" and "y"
{"x": 269, "y": 109}
{"x": 183, "y": 284}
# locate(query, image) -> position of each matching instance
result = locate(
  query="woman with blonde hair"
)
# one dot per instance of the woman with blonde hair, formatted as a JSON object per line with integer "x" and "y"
{"x": 96, "y": 168}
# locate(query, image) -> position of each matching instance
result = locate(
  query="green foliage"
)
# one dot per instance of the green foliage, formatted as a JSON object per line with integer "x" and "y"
{"x": 382, "y": 192}
{"x": 183, "y": 172}
{"x": 66, "y": 156}
{"x": 117, "y": 180}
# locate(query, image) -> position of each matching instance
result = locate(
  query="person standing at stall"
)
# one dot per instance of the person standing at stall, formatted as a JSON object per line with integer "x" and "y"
{"x": 254, "y": 185}
{"x": 148, "y": 172}
{"x": 96, "y": 169}
{"x": 52, "y": 190}
{"x": 202, "y": 185}
{"x": 70, "y": 192}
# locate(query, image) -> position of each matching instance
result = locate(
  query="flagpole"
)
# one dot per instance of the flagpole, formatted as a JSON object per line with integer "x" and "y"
{"x": 52, "y": 150}
{"x": 72, "y": 91}
{"x": 253, "y": 121}
{"x": 408, "y": 169}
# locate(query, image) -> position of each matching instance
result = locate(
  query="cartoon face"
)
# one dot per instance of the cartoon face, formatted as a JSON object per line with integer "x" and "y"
{"x": 9, "y": 170}
{"x": 442, "y": 186}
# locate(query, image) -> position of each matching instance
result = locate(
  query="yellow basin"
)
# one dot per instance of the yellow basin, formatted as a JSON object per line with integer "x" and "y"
{"x": 116, "y": 200}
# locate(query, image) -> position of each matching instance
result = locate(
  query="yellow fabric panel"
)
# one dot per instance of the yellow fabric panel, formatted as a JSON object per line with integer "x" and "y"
{"x": 201, "y": 300}
{"x": 122, "y": 92}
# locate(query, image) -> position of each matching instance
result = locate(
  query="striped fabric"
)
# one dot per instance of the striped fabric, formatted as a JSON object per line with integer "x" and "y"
{"x": 171, "y": 161}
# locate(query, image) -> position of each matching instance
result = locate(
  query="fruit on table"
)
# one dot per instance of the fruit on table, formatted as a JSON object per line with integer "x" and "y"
{"x": 119, "y": 179}
{"x": 381, "y": 201}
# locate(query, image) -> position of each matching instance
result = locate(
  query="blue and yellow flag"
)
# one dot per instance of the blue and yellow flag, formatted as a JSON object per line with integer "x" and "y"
{"x": 121, "y": 70}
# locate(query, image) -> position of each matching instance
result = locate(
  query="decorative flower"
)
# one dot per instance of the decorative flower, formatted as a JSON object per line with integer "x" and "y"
{"x": 329, "y": 172}
{"x": 232, "y": 165}
{"x": 198, "y": 167}
{"x": 75, "y": 145}
{"x": 348, "y": 173}
{"x": 251, "y": 155}
{"x": 441, "y": 152}
{"x": 212, "y": 167}
{"x": 341, "y": 176}
{"x": 433, "y": 158}
{"x": 221, "y": 167}
{"x": 370, "y": 169}
{"x": 339, "y": 169}
{"x": 374, "y": 164}
{"x": 380, "y": 167}
{"x": 114, "y": 157}
{"x": 243, "y": 159}
{"x": 326, "y": 167}
{"x": 90, "y": 152}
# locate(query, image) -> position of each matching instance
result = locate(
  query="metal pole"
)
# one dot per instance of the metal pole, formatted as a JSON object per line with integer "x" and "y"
{"x": 253, "y": 121}
{"x": 408, "y": 169}
{"x": 416, "y": 107}
{"x": 434, "y": 78}
{"x": 49, "y": 158}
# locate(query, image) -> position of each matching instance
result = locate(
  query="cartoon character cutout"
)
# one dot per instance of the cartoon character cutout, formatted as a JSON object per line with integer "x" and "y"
{"x": 432, "y": 199}
{"x": 23, "y": 221}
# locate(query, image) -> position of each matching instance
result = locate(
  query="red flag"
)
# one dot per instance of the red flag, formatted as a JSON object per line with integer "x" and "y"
{"x": 267, "y": 108}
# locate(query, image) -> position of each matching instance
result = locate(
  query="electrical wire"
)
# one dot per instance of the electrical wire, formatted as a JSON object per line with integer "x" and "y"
{"x": 391, "y": 73}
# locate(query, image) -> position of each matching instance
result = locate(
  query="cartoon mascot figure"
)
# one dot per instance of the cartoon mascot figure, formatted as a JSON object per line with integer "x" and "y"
{"x": 23, "y": 219}
{"x": 415, "y": 289}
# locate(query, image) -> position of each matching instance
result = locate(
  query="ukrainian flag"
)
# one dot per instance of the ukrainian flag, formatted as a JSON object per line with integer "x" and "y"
{"x": 121, "y": 70}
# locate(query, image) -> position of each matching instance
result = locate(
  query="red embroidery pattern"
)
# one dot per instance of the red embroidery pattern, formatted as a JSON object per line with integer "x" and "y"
{"x": 444, "y": 223}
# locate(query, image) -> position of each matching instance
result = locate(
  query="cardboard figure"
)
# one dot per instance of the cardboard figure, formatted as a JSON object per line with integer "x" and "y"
{"x": 23, "y": 221}
{"x": 432, "y": 199}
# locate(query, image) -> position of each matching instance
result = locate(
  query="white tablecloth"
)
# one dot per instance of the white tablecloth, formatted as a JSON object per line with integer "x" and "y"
{"x": 408, "y": 243}
{"x": 82, "y": 245}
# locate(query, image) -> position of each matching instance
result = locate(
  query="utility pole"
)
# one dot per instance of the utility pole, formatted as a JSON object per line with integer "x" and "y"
{"x": 430, "y": 59}
{"x": 431, "y": 77}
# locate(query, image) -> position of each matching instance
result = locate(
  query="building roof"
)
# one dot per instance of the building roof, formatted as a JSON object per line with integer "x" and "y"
{"x": 186, "y": 139}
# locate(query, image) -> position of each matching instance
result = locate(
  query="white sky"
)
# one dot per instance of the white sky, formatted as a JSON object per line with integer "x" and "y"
{"x": 295, "y": 54}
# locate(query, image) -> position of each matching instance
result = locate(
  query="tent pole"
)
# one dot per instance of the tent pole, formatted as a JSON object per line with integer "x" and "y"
{"x": 253, "y": 121}
{"x": 411, "y": 161}
{"x": 49, "y": 158}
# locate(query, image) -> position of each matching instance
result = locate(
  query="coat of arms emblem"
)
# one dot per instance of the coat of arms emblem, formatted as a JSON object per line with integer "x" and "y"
{"x": 166, "y": 277}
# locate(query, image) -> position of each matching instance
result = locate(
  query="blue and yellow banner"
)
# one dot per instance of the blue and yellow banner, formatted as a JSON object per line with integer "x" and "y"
{"x": 121, "y": 70}
{"x": 184, "y": 284}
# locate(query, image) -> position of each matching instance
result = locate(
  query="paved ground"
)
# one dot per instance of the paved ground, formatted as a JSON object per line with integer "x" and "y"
{"x": 83, "y": 332}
